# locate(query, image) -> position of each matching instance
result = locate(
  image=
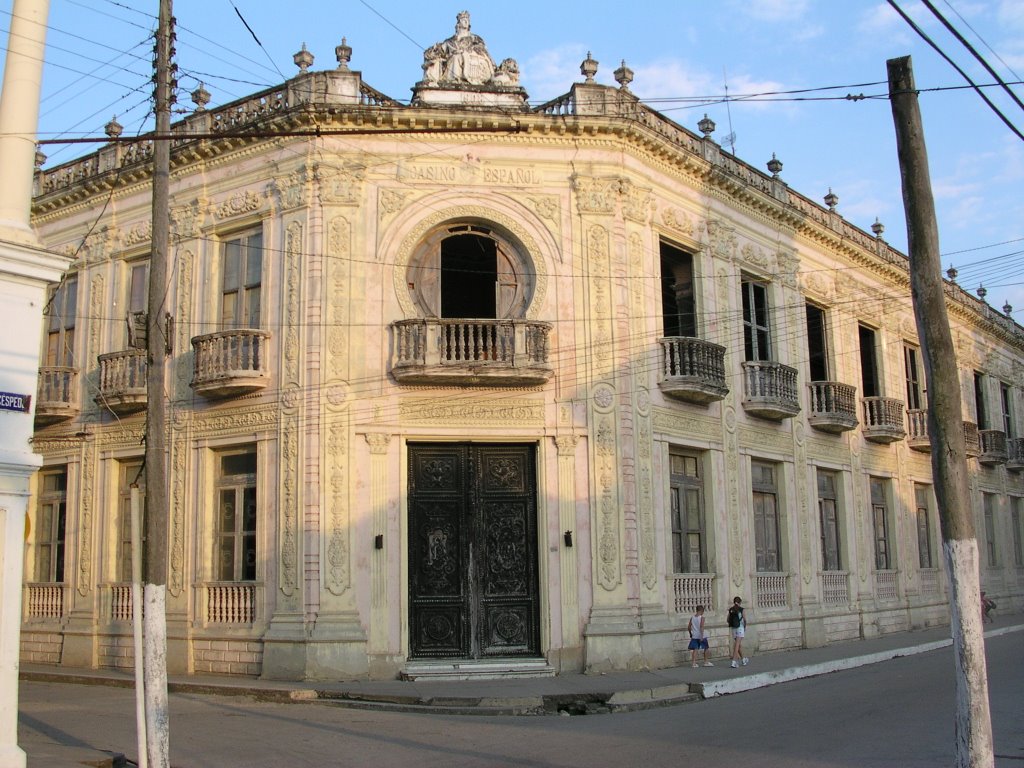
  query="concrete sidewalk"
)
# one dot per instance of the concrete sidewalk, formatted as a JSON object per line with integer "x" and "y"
{"x": 562, "y": 694}
{"x": 567, "y": 694}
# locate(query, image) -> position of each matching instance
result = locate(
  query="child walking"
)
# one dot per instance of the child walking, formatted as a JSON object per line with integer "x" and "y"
{"x": 698, "y": 638}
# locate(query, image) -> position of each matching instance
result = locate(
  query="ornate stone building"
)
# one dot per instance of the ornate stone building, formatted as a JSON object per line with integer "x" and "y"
{"x": 470, "y": 380}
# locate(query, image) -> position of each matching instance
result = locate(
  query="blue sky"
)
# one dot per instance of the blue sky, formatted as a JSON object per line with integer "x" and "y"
{"x": 686, "y": 56}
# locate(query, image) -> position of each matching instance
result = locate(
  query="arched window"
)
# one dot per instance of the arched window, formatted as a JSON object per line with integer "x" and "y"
{"x": 471, "y": 271}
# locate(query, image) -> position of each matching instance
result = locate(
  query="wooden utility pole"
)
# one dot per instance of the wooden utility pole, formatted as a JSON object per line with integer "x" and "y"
{"x": 972, "y": 726}
{"x": 157, "y": 344}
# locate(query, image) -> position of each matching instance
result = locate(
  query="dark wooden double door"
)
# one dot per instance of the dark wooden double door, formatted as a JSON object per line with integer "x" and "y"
{"x": 473, "y": 587}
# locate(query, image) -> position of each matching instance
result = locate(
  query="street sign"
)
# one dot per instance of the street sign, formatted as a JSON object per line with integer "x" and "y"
{"x": 9, "y": 401}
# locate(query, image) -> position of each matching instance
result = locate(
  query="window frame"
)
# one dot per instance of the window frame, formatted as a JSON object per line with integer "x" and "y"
{"x": 686, "y": 487}
{"x": 51, "y": 531}
{"x": 62, "y": 312}
{"x": 880, "y": 523}
{"x": 828, "y": 506}
{"x": 1017, "y": 521}
{"x": 243, "y": 488}
{"x": 767, "y": 522}
{"x": 678, "y": 268}
{"x": 246, "y": 291}
{"x": 988, "y": 505}
{"x": 913, "y": 375}
{"x": 757, "y": 332}
{"x": 870, "y": 369}
{"x": 923, "y": 526}
{"x": 980, "y": 406}
{"x": 823, "y": 366}
{"x": 128, "y": 473}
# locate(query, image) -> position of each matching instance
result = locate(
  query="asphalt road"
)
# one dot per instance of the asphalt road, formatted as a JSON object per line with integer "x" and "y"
{"x": 897, "y": 713}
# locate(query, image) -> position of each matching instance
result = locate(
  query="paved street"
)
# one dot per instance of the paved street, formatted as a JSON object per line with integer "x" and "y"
{"x": 894, "y": 713}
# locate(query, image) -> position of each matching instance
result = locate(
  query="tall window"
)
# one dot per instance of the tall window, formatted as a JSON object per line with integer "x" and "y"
{"x": 756, "y": 331}
{"x": 1004, "y": 400}
{"x": 678, "y": 302}
{"x": 138, "y": 291}
{"x": 236, "y": 517}
{"x": 868, "y": 361}
{"x": 242, "y": 277}
{"x": 829, "y": 519}
{"x": 131, "y": 472}
{"x": 1017, "y": 518}
{"x": 979, "y": 400}
{"x": 52, "y": 524}
{"x": 924, "y": 528}
{"x": 880, "y": 522}
{"x": 989, "y": 506}
{"x": 817, "y": 345}
{"x": 60, "y": 329}
{"x": 912, "y": 367}
{"x": 689, "y": 549}
{"x": 767, "y": 539}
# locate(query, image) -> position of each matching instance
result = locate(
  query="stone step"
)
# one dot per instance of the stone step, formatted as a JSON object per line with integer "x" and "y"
{"x": 489, "y": 669}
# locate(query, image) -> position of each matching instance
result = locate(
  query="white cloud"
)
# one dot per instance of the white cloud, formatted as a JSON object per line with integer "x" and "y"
{"x": 550, "y": 73}
{"x": 1011, "y": 13}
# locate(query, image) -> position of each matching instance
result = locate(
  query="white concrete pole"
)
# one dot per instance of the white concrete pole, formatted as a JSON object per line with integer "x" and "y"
{"x": 25, "y": 270}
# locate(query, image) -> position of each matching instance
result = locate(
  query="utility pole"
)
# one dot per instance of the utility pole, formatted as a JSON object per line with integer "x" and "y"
{"x": 972, "y": 725}
{"x": 158, "y": 341}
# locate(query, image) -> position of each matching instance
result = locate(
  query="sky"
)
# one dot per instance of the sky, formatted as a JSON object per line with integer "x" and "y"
{"x": 775, "y": 74}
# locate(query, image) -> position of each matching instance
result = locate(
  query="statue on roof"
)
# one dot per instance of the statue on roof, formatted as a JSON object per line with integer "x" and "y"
{"x": 461, "y": 59}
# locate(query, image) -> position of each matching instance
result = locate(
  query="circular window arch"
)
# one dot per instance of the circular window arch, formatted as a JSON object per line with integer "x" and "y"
{"x": 471, "y": 270}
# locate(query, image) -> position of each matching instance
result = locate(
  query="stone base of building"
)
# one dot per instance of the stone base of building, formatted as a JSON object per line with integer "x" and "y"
{"x": 336, "y": 649}
{"x": 618, "y": 639}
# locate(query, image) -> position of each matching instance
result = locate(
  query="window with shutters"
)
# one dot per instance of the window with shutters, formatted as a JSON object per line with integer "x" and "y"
{"x": 130, "y": 472}
{"x": 914, "y": 377}
{"x": 925, "y": 555}
{"x": 686, "y": 494}
{"x": 756, "y": 324}
{"x": 61, "y": 312}
{"x": 241, "y": 281}
{"x": 767, "y": 538}
{"x": 51, "y": 526}
{"x": 235, "y": 544}
{"x": 678, "y": 298}
{"x": 828, "y": 516}
{"x": 991, "y": 539}
{"x": 880, "y": 523}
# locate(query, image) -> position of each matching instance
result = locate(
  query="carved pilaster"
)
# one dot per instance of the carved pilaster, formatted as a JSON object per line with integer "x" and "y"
{"x": 178, "y": 502}
{"x": 566, "y": 445}
{"x": 379, "y": 444}
{"x": 85, "y": 526}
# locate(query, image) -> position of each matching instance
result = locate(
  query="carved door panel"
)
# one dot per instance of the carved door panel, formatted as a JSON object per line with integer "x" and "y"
{"x": 473, "y": 589}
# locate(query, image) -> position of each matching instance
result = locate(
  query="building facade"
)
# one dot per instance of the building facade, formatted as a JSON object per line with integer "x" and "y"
{"x": 469, "y": 381}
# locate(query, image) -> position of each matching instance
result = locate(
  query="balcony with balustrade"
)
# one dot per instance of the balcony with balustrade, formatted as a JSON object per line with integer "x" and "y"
{"x": 122, "y": 387}
{"x": 43, "y": 600}
{"x": 770, "y": 390}
{"x": 692, "y": 370}
{"x": 57, "y": 399}
{"x": 231, "y": 363}
{"x": 917, "y": 430}
{"x": 883, "y": 419}
{"x": 833, "y": 406}
{"x": 993, "y": 447}
{"x": 1015, "y": 454}
{"x": 972, "y": 440}
{"x": 688, "y": 590}
{"x": 476, "y": 352}
{"x": 232, "y": 603}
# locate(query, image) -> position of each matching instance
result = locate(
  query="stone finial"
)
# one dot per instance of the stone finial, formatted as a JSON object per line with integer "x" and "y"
{"x": 623, "y": 76}
{"x": 831, "y": 199}
{"x": 113, "y": 129}
{"x": 775, "y": 166}
{"x": 588, "y": 68}
{"x": 343, "y": 53}
{"x": 706, "y": 126}
{"x": 951, "y": 273}
{"x": 878, "y": 227}
{"x": 1007, "y": 309}
{"x": 982, "y": 292}
{"x": 303, "y": 59}
{"x": 201, "y": 97}
{"x": 40, "y": 159}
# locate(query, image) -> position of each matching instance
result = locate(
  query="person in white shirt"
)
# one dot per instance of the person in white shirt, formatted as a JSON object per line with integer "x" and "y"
{"x": 698, "y": 637}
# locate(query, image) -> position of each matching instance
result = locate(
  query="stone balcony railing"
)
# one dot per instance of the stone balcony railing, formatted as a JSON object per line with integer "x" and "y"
{"x": 771, "y": 590}
{"x": 123, "y": 381}
{"x": 58, "y": 394}
{"x": 919, "y": 439}
{"x": 887, "y": 585}
{"x": 688, "y": 590}
{"x": 1015, "y": 454}
{"x": 972, "y": 440}
{"x": 44, "y": 600}
{"x": 476, "y": 352}
{"x": 835, "y": 587}
{"x": 770, "y": 390}
{"x": 993, "y": 447}
{"x": 231, "y": 363}
{"x": 692, "y": 369}
{"x": 883, "y": 419}
{"x": 833, "y": 406}
{"x": 229, "y": 602}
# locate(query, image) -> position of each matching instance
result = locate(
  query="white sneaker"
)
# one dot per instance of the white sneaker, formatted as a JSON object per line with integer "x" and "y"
{"x": 694, "y": 665}
{"x": 708, "y": 664}
{"x": 746, "y": 661}
{"x": 734, "y": 664}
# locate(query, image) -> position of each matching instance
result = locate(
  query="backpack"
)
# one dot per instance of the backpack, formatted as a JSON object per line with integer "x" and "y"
{"x": 733, "y": 618}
